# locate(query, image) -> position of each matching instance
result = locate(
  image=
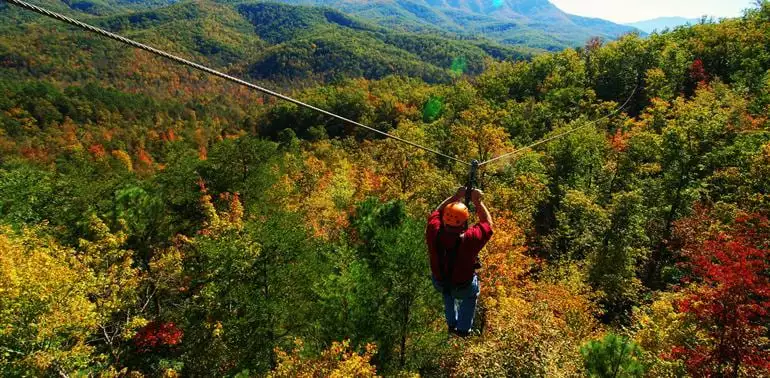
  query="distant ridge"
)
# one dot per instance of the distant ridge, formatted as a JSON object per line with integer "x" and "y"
{"x": 532, "y": 23}
{"x": 661, "y": 23}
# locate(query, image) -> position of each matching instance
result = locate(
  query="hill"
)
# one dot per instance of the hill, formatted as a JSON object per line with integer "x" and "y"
{"x": 661, "y": 23}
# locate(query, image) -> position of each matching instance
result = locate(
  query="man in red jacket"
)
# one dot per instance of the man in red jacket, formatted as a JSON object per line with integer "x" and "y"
{"x": 454, "y": 249}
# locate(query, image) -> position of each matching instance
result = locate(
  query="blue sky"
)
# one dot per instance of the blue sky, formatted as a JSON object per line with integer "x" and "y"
{"x": 623, "y": 11}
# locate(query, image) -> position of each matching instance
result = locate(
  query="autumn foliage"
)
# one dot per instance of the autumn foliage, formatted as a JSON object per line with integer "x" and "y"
{"x": 171, "y": 224}
{"x": 338, "y": 361}
{"x": 157, "y": 335}
{"x": 729, "y": 299}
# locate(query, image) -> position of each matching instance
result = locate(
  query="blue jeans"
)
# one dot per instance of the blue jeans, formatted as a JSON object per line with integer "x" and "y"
{"x": 460, "y": 317}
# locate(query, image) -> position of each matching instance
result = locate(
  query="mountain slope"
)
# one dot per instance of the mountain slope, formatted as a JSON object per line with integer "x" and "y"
{"x": 660, "y": 23}
{"x": 533, "y": 23}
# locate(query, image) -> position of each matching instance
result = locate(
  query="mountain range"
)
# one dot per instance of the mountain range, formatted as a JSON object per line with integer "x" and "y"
{"x": 532, "y": 23}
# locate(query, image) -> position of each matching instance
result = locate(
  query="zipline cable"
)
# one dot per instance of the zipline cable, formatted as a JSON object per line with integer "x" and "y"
{"x": 546, "y": 140}
{"x": 214, "y": 72}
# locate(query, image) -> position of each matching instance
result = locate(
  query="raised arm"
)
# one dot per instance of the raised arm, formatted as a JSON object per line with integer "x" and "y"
{"x": 481, "y": 210}
{"x": 455, "y": 198}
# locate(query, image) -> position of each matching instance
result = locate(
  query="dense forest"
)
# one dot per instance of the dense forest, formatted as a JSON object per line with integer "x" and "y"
{"x": 155, "y": 221}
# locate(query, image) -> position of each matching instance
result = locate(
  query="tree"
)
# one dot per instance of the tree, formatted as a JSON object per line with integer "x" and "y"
{"x": 46, "y": 317}
{"x": 729, "y": 300}
{"x": 580, "y": 230}
{"x": 613, "y": 265}
{"x": 382, "y": 290}
{"x": 693, "y": 145}
{"x": 533, "y": 329}
{"x": 658, "y": 328}
{"x": 478, "y": 134}
{"x": 249, "y": 290}
{"x": 613, "y": 356}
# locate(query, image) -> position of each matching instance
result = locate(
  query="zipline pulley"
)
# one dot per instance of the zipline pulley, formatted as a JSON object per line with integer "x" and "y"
{"x": 472, "y": 183}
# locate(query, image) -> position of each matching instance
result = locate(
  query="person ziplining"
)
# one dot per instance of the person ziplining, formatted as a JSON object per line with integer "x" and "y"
{"x": 453, "y": 246}
{"x": 453, "y": 250}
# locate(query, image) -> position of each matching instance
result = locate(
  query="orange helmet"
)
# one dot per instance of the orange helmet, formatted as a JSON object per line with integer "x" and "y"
{"x": 455, "y": 214}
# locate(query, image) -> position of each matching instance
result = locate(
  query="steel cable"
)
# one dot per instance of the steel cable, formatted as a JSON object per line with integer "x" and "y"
{"x": 514, "y": 152}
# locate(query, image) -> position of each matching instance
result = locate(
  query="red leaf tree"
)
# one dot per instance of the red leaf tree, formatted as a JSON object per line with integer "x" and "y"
{"x": 157, "y": 335}
{"x": 697, "y": 77}
{"x": 729, "y": 301}
{"x": 698, "y": 72}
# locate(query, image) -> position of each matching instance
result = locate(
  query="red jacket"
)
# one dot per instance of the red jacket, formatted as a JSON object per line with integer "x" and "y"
{"x": 473, "y": 240}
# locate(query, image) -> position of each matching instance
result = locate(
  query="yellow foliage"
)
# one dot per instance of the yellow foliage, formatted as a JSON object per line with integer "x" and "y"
{"x": 114, "y": 277}
{"x": 339, "y": 361}
{"x": 760, "y": 167}
{"x": 166, "y": 269}
{"x": 218, "y": 222}
{"x": 533, "y": 331}
{"x": 123, "y": 157}
{"x": 479, "y": 135}
{"x": 46, "y": 318}
{"x": 407, "y": 173}
{"x": 656, "y": 116}
{"x": 320, "y": 186}
{"x": 658, "y": 329}
{"x": 521, "y": 198}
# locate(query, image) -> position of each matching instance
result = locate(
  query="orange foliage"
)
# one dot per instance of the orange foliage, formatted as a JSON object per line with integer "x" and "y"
{"x": 219, "y": 221}
{"x": 69, "y": 133}
{"x": 98, "y": 151}
{"x": 34, "y": 154}
{"x": 107, "y": 134}
{"x": 504, "y": 259}
{"x": 145, "y": 160}
{"x": 202, "y": 140}
{"x": 619, "y": 141}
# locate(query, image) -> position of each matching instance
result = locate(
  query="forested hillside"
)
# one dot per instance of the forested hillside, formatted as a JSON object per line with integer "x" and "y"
{"x": 256, "y": 40}
{"x": 155, "y": 221}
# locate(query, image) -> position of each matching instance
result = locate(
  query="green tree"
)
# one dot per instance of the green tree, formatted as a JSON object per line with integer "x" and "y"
{"x": 251, "y": 288}
{"x": 612, "y": 267}
{"x": 693, "y": 147}
{"x": 613, "y": 356}
{"x": 383, "y": 289}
